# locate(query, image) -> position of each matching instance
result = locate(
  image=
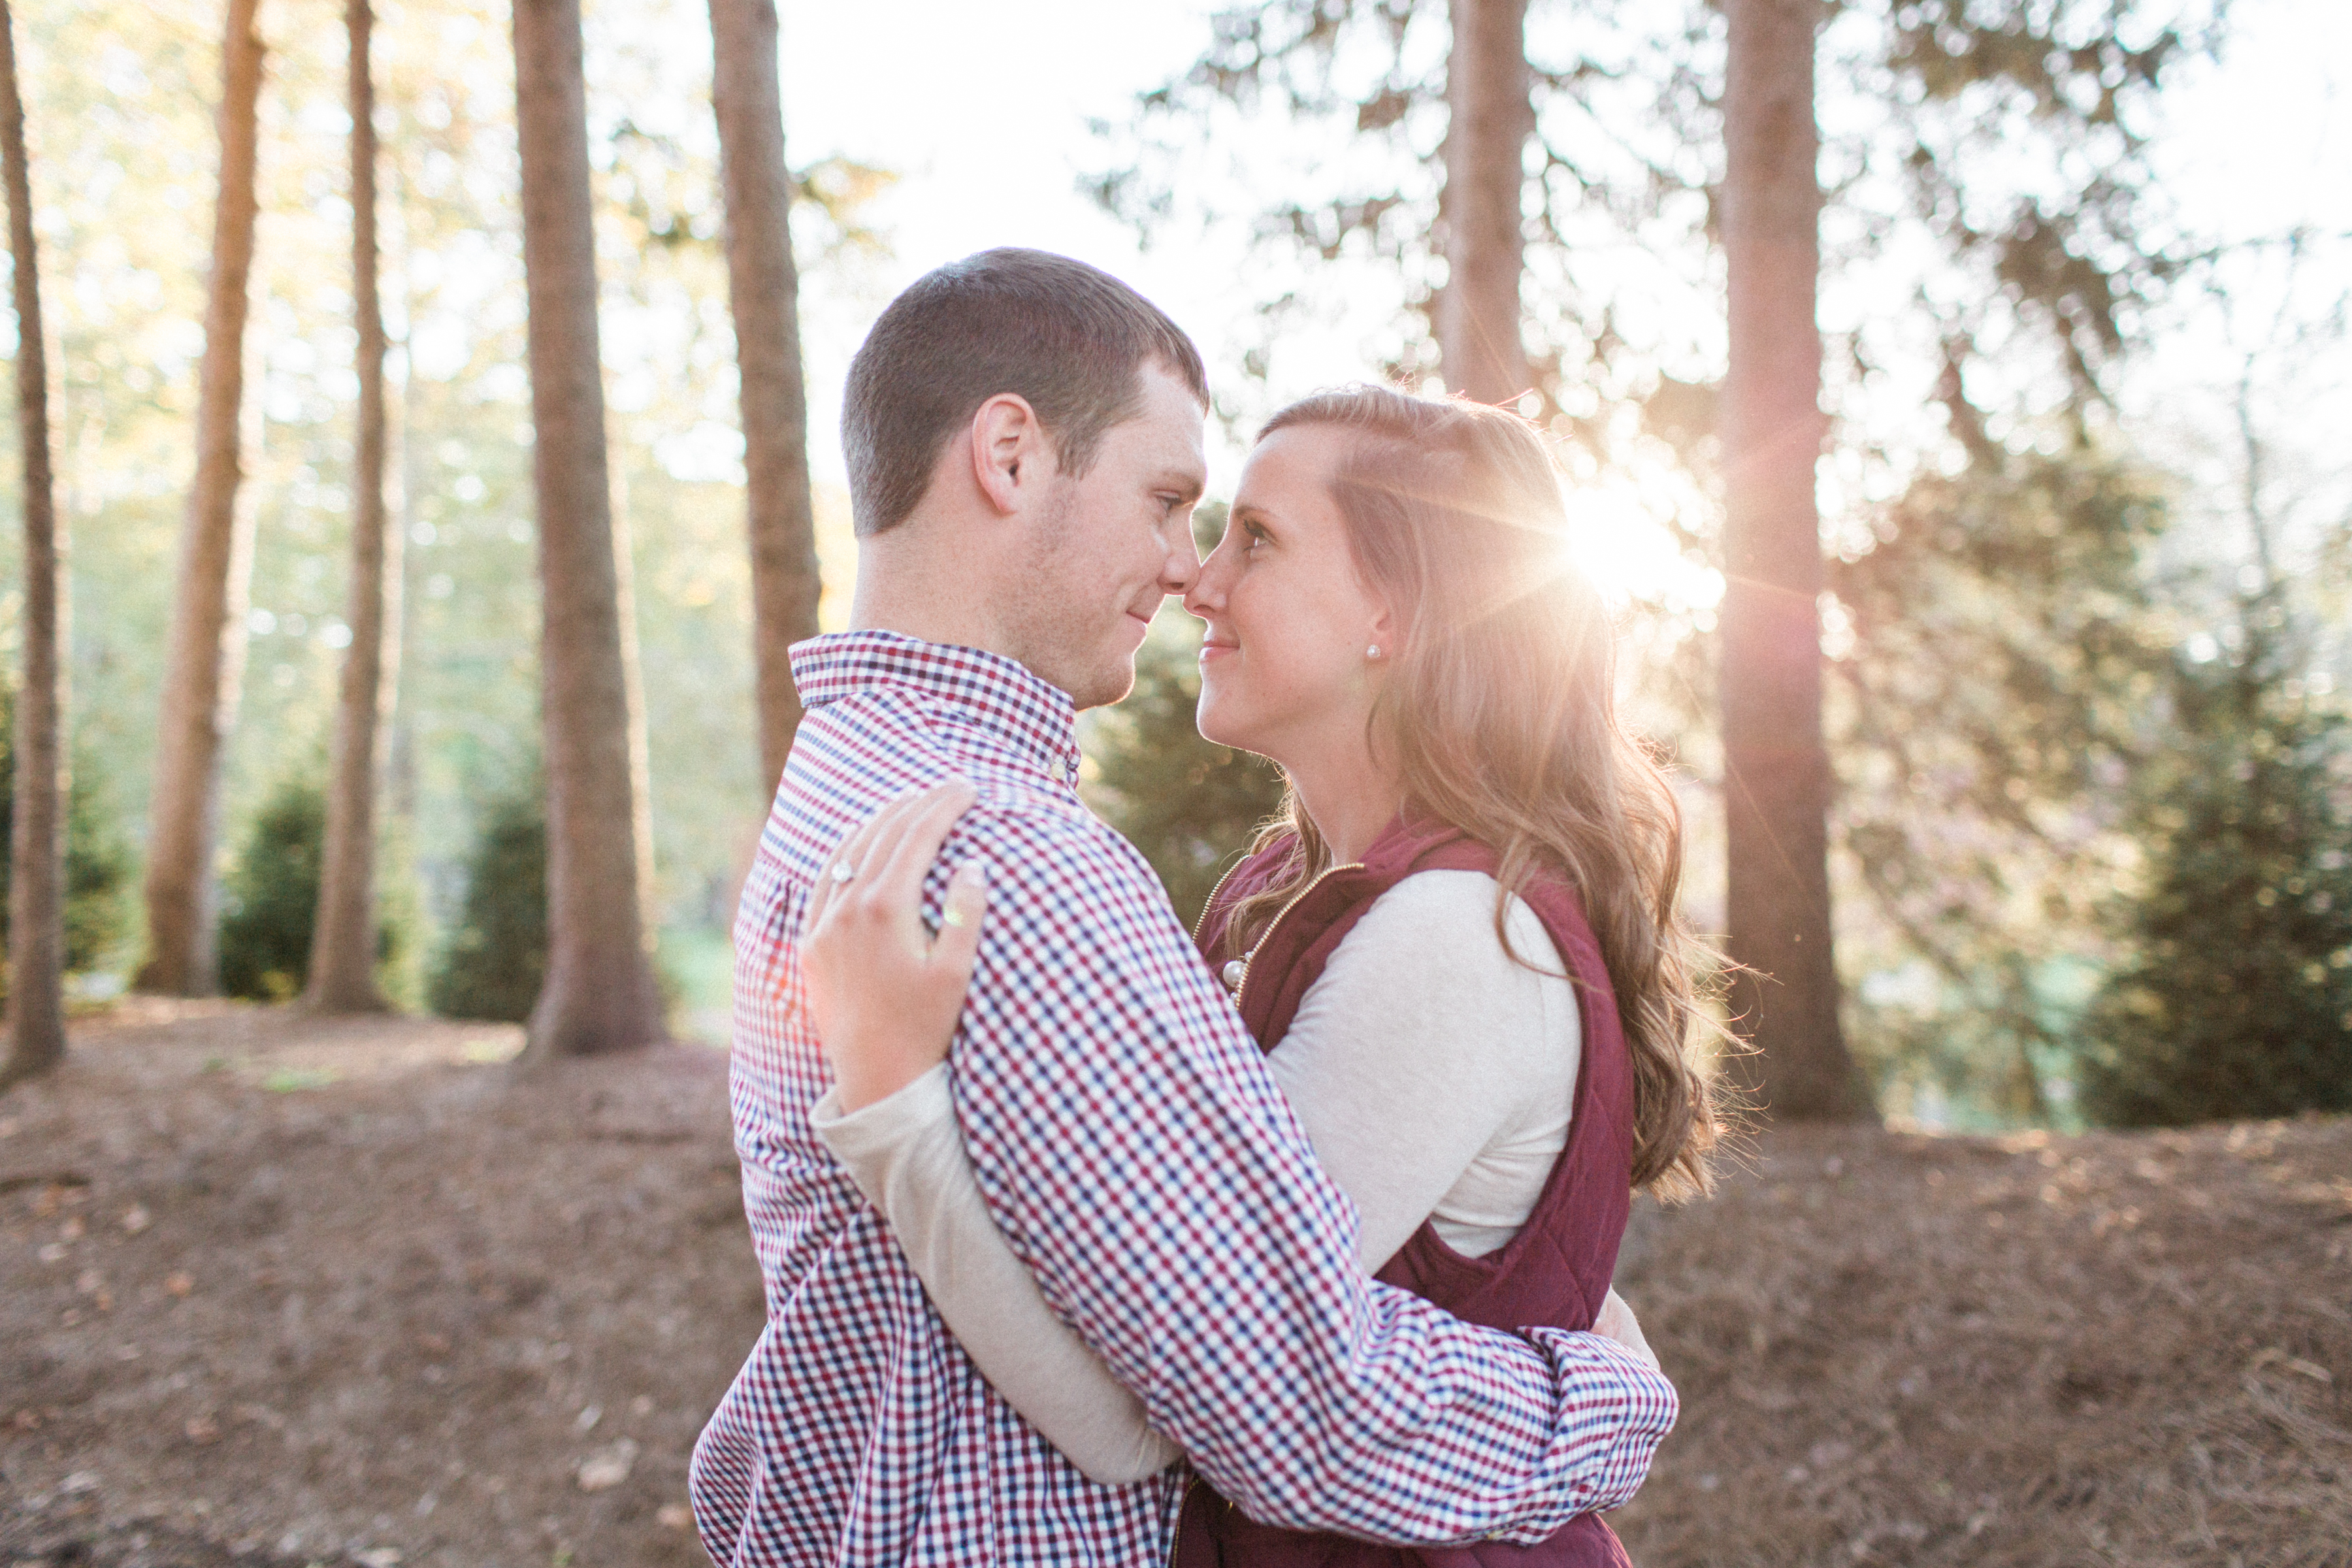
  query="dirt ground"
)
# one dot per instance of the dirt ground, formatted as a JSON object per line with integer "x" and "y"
{"x": 282, "y": 1292}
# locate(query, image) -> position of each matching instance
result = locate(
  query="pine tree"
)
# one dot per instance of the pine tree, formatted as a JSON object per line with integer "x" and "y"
{"x": 2238, "y": 999}
{"x": 495, "y": 960}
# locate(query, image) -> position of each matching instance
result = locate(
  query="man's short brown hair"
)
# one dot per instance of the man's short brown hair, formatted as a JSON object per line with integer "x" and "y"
{"x": 1069, "y": 338}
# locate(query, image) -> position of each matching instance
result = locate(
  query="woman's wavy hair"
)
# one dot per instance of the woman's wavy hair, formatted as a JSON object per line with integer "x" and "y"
{"x": 1499, "y": 713}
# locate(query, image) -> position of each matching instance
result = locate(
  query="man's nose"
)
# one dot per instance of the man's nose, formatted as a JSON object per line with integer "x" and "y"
{"x": 1181, "y": 567}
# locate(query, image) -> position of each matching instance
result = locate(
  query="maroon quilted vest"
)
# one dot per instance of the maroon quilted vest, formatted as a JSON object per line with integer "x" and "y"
{"x": 1555, "y": 1271}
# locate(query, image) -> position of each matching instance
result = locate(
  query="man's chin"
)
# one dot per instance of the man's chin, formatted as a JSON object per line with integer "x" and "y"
{"x": 1109, "y": 684}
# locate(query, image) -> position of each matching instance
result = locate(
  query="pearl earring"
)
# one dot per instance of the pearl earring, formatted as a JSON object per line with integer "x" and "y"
{"x": 1373, "y": 651}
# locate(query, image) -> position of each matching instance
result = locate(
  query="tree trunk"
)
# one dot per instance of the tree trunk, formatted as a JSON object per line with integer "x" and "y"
{"x": 343, "y": 942}
{"x": 206, "y": 663}
{"x": 599, "y": 992}
{"x": 1776, "y": 769}
{"x": 1488, "y": 88}
{"x": 765, "y": 289}
{"x": 36, "y": 936}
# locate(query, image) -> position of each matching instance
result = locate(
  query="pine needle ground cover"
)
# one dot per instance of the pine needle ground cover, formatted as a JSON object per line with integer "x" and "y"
{"x": 2125, "y": 1349}
{"x": 280, "y": 1292}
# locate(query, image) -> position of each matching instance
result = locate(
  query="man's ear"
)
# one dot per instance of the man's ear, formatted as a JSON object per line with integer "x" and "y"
{"x": 1009, "y": 451}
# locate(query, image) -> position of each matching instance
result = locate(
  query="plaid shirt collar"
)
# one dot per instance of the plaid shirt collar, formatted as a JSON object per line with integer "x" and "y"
{"x": 1031, "y": 718}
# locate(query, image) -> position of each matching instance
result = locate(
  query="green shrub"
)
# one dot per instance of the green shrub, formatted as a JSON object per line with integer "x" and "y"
{"x": 495, "y": 958}
{"x": 2238, "y": 1000}
{"x": 98, "y": 858}
{"x": 269, "y": 900}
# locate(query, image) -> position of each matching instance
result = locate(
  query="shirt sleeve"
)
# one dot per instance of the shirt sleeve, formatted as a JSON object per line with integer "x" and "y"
{"x": 1132, "y": 1146}
{"x": 1424, "y": 1050}
{"x": 906, "y": 1157}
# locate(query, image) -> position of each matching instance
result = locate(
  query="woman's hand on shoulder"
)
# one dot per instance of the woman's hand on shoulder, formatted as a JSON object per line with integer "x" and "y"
{"x": 883, "y": 994}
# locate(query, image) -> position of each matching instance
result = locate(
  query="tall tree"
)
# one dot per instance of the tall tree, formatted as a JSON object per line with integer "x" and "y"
{"x": 766, "y": 289}
{"x": 1775, "y": 769}
{"x": 1489, "y": 122}
{"x": 343, "y": 942}
{"x": 206, "y": 660}
{"x": 37, "y": 849}
{"x": 599, "y": 992}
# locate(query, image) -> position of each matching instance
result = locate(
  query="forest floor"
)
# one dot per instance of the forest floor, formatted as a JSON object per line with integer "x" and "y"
{"x": 282, "y": 1292}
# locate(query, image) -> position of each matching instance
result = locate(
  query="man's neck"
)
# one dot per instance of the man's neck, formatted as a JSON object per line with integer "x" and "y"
{"x": 905, "y": 584}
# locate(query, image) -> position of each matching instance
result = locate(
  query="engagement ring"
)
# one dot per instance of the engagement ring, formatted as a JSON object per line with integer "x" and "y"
{"x": 842, "y": 870}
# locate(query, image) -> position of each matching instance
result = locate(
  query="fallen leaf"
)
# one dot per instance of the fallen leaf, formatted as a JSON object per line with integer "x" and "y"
{"x": 180, "y": 1284}
{"x": 378, "y": 1557}
{"x": 201, "y": 1429}
{"x": 77, "y": 1483}
{"x": 608, "y": 1468}
{"x": 136, "y": 1218}
{"x": 675, "y": 1516}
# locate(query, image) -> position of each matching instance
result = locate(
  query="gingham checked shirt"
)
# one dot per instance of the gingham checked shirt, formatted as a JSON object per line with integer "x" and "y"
{"x": 1131, "y": 1145}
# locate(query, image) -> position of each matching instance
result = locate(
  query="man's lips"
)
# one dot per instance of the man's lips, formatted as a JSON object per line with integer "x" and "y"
{"x": 1214, "y": 648}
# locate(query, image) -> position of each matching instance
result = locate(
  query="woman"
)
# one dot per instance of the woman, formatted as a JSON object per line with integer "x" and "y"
{"x": 1459, "y": 940}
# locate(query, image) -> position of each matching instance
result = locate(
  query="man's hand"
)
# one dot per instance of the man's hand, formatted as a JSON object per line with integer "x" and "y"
{"x": 883, "y": 994}
{"x": 1616, "y": 1323}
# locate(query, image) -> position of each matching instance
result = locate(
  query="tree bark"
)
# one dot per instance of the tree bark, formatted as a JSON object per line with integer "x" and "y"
{"x": 205, "y": 664}
{"x": 1488, "y": 86}
{"x": 599, "y": 992}
{"x": 343, "y": 941}
{"x": 766, "y": 289}
{"x": 36, "y": 937}
{"x": 1777, "y": 774}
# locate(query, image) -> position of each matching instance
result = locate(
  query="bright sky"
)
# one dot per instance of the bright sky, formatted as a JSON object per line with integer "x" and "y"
{"x": 984, "y": 109}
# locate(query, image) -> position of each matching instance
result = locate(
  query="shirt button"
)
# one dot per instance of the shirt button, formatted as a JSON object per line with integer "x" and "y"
{"x": 1232, "y": 974}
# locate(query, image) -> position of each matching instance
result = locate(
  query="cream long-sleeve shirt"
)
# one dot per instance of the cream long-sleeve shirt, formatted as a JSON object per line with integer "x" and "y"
{"x": 1432, "y": 1073}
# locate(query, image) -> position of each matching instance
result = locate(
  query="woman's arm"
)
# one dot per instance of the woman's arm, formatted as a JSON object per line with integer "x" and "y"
{"x": 890, "y": 1120}
{"x": 908, "y": 1158}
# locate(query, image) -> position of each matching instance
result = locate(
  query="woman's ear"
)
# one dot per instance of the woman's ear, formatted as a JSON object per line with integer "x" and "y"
{"x": 1008, "y": 445}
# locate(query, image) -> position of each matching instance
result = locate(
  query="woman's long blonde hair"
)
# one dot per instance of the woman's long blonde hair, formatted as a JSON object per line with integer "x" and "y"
{"x": 1499, "y": 713}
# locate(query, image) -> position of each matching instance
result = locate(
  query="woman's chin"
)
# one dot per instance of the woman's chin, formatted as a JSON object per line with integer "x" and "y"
{"x": 1214, "y": 726}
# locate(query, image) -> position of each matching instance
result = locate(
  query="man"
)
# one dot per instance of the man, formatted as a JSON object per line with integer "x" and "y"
{"x": 1025, "y": 444}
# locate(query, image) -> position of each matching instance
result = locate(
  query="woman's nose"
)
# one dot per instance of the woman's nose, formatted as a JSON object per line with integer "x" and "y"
{"x": 1208, "y": 589}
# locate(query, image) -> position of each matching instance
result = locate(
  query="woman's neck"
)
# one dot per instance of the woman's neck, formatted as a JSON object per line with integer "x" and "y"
{"x": 1347, "y": 797}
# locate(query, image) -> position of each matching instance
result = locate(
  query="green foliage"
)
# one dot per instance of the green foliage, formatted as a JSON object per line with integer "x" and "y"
{"x": 1189, "y": 805}
{"x": 271, "y": 897}
{"x": 270, "y": 901}
{"x": 2238, "y": 999}
{"x": 97, "y": 859}
{"x": 2005, "y": 644}
{"x": 1929, "y": 109}
{"x": 496, "y": 958}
